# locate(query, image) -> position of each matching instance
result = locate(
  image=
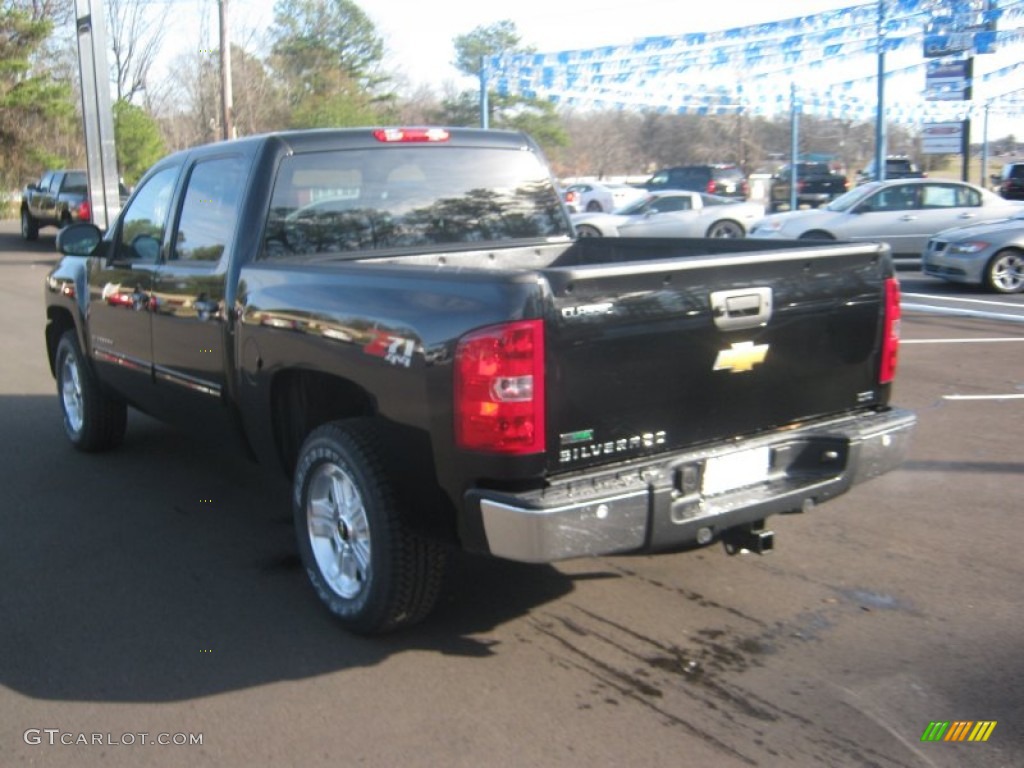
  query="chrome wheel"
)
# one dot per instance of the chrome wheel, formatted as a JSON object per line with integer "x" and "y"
{"x": 1005, "y": 272}
{"x": 725, "y": 229}
{"x": 585, "y": 230}
{"x": 71, "y": 394}
{"x": 339, "y": 531}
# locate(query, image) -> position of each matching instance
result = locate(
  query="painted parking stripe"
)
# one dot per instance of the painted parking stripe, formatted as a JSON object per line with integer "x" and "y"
{"x": 983, "y": 397}
{"x": 962, "y": 341}
{"x": 957, "y": 312}
{"x": 959, "y": 300}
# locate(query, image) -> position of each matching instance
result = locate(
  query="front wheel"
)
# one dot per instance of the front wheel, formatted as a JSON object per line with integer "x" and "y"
{"x": 585, "y": 230}
{"x": 725, "y": 228}
{"x": 29, "y": 225}
{"x": 93, "y": 420}
{"x": 369, "y": 567}
{"x": 1004, "y": 272}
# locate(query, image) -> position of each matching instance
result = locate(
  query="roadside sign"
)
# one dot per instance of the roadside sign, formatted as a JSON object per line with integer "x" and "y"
{"x": 943, "y": 138}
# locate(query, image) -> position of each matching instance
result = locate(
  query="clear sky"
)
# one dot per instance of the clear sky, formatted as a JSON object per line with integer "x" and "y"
{"x": 418, "y": 35}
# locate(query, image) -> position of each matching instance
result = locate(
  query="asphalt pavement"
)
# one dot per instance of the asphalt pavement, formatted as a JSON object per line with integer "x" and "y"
{"x": 153, "y": 612}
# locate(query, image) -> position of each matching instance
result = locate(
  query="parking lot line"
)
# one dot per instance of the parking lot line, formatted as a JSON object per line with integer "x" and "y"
{"x": 983, "y": 397}
{"x": 1009, "y": 339}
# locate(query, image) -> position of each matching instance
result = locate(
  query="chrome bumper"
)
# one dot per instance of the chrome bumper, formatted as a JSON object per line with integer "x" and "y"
{"x": 658, "y": 504}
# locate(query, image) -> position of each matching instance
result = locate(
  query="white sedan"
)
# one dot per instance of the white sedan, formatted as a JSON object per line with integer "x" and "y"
{"x": 672, "y": 213}
{"x": 904, "y": 213}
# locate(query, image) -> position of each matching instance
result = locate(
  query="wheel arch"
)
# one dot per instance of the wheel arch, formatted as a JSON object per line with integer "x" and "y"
{"x": 302, "y": 400}
{"x": 817, "y": 234}
{"x": 58, "y": 321}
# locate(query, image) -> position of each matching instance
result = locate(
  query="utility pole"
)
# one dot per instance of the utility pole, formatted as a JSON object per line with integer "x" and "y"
{"x": 880, "y": 150}
{"x": 226, "y": 98}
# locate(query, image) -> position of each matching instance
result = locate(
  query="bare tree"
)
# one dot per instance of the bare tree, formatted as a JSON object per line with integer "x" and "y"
{"x": 136, "y": 35}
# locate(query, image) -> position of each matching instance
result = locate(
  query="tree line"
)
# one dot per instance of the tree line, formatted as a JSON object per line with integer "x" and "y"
{"x": 323, "y": 63}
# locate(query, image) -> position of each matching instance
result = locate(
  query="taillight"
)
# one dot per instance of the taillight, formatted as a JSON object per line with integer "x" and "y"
{"x": 891, "y": 332}
{"x": 572, "y": 197}
{"x": 711, "y": 187}
{"x": 499, "y": 389}
{"x": 406, "y": 135}
{"x": 84, "y": 211}
{"x": 801, "y": 185}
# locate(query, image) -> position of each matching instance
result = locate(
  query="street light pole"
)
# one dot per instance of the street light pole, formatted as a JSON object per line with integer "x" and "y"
{"x": 880, "y": 116}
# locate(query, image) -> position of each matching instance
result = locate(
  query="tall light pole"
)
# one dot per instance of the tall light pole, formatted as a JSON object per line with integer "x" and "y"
{"x": 880, "y": 117}
{"x": 226, "y": 98}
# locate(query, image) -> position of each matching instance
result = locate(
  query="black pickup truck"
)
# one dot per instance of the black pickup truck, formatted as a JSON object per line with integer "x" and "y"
{"x": 401, "y": 321}
{"x": 59, "y": 198}
{"x": 816, "y": 184}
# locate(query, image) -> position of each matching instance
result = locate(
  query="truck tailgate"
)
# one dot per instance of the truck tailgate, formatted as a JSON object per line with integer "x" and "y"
{"x": 670, "y": 351}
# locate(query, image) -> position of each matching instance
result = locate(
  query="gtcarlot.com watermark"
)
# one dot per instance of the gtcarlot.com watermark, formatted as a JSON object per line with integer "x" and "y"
{"x": 55, "y": 737}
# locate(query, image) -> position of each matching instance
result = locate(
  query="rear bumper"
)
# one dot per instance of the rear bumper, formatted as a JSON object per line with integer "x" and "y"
{"x": 668, "y": 503}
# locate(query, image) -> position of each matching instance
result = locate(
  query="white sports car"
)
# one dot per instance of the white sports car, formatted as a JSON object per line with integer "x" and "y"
{"x": 672, "y": 213}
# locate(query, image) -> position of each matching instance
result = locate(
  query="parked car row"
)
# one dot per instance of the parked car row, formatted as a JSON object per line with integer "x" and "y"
{"x": 956, "y": 230}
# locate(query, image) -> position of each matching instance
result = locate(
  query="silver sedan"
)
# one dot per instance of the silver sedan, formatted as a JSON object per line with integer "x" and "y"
{"x": 989, "y": 254}
{"x": 904, "y": 213}
{"x": 672, "y": 213}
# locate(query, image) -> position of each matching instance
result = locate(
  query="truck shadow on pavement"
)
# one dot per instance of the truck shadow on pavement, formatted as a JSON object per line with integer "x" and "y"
{"x": 166, "y": 571}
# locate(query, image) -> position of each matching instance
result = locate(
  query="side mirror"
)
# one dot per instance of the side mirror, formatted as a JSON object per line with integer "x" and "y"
{"x": 79, "y": 239}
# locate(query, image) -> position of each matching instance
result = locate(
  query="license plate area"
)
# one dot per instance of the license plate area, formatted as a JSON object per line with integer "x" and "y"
{"x": 735, "y": 470}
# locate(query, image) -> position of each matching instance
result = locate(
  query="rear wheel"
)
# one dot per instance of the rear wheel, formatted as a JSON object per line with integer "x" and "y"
{"x": 369, "y": 567}
{"x": 725, "y": 228}
{"x": 93, "y": 420}
{"x": 594, "y": 207}
{"x": 29, "y": 225}
{"x": 585, "y": 230}
{"x": 1004, "y": 272}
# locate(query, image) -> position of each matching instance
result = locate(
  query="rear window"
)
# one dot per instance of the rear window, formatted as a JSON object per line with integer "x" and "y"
{"x": 76, "y": 182}
{"x": 377, "y": 199}
{"x": 1015, "y": 171}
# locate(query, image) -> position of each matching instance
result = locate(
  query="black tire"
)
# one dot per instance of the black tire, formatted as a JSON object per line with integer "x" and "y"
{"x": 29, "y": 225}
{"x": 94, "y": 420}
{"x": 586, "y": 230}
{"x": 594, "y": 207}
{"x": 1004, "y": 272}
{"x": 726, "y": 228}
{"x": 368, "y": 566}
{"x": 816, "y": 234}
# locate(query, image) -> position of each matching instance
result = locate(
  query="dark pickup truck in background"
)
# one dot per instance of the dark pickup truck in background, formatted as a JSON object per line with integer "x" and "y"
{"x": 895, "y": 168}
{"x": 816, "y": 184}
{"x": 402, "y": 322}
{"x": 58, "y": 199}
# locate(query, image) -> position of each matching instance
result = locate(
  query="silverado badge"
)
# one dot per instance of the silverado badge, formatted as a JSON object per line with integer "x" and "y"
{"x": 742, "y": 357}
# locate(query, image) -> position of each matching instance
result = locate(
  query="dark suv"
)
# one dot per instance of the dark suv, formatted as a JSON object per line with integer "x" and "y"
{"x": 723, "y": 180}
{"x": 1011, "y": 181}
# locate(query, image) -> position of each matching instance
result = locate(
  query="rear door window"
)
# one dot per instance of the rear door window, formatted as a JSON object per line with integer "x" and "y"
{"x": 353, "y": 201}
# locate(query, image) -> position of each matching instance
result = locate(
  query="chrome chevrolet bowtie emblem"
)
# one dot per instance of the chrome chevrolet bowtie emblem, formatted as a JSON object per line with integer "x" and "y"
{"x": 742, "y": 357}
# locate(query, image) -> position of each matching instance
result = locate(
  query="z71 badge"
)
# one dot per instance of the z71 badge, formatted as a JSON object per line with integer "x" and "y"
{"x": 394, "y": 349}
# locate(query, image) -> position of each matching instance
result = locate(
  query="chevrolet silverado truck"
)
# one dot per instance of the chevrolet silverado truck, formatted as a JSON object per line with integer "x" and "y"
{"x": 58, "y": 199}
{"x": 402, "y": 323}
{"x": 816, "y": 184}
